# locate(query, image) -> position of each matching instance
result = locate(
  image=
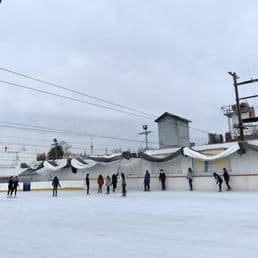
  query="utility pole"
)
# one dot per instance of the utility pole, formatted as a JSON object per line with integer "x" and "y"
{"x": 236, "y": 84}
{"x": 240, "y": 123}
{"x": 146, "y": 133}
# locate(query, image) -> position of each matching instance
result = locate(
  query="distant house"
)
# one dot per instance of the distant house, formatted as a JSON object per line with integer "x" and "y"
{"x": 173, "y": 130}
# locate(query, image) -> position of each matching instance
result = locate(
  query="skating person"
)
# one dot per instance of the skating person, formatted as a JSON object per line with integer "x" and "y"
{"x": 108, "y": 184}
{"x": 100, "y": 182}
{"x": 123, "y": 184}
{"x": 10, "y": 186}
{"x": 190, "y": 178}
{"x": 114, "y": 181}
{"x": 147, "y": 181}
{"x": 162, "y": 179}
{"x": 55, "y": 184}
{"x": 87, "y": 179}
{"x": 219, "y": 180}
{"x": 15, "y": 185}
{"x": 226, "y": 178}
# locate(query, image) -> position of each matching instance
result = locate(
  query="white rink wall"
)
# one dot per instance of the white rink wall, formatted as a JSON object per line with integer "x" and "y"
{"x": 242, "y": 168}
{"x": 174, "y": 183}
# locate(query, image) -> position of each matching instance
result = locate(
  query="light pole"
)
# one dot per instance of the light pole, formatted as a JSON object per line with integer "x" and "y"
{"x": 146, "y": 133}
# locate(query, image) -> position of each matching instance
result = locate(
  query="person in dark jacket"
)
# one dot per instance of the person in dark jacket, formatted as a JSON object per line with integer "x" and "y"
{"x": 219, "y": 180}
{"x": 55, "y": 184}
{"x": 108, "y": 183}
{"x": 15, "y": 185}
{"x": 147, "y": 181}
{"x": 100, "y": 182}
{"x": 123, "y": 184}
{"x": 10, "y": 186}
{"x": 162, "y": 179}
{"x": 87, "y": 180}
{"x": 226, "y": 178}
{"x": 190, "y": 178}
{"x": 114, "y": 181}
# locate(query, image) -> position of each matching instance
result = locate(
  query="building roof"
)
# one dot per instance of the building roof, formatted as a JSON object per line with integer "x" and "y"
{"x": 172, "y": 115}
{"x": 215, "y": 146}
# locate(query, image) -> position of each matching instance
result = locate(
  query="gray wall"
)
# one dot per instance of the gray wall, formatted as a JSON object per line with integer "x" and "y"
{"x": 173, "y": 132}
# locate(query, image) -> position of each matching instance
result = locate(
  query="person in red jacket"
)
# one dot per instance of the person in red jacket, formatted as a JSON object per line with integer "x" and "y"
{"x": 100, "y": 182}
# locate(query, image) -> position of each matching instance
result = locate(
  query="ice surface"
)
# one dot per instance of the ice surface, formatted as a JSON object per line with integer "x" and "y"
{"x": 144, "y": 225}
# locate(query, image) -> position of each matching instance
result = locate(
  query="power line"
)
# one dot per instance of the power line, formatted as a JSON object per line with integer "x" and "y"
{"x": 41, "y": 145}
{"x": 74, "y": 91}
{"x": 82, "y": 101}
{"x": 47, "y": 129}
{"x": 26, "y": 141}
{"x": 86, "y": 102}
{"x": 73, "y": 99}
{"x": 23, "y": 126}
{"x": 72, "y": 142}
{"x": 199, "y": 130}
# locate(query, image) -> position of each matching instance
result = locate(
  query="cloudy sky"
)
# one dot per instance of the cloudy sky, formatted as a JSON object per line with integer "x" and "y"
{"x": 153, "y": 56}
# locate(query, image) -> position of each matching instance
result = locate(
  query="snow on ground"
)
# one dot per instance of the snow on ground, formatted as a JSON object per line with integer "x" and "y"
{"x": 142, "y": 225}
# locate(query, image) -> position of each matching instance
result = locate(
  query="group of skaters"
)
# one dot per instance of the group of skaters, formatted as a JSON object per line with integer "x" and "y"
{"x": 109, "y": 182}
{"x": 112, "y": 181}
{"x": 218, "y": 178}
{"x": 13, "y": 184}
{"x": 190, "y": 177}
{"x": 162, "y": 179}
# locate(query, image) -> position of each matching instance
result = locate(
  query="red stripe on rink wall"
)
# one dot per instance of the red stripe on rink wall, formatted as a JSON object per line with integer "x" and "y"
{"x": 137, "y": 177}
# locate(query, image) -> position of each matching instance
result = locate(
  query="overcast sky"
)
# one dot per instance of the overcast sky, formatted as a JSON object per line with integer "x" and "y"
{"x": 154, "y": 56}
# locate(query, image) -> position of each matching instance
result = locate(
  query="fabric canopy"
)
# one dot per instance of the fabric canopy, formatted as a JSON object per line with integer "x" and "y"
{"x": 168, "y": 157}
{"x": 55, "y": 165}
{"x": 151, "y": 156}
{"x": 197, "y": 155}
{"x": 82, "y": 164}
{"x": 28, "y": 172}
{"x": 106, "y": 158}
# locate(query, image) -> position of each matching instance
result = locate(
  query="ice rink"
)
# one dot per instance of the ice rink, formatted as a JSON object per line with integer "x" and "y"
{"x": 142, "y": 225}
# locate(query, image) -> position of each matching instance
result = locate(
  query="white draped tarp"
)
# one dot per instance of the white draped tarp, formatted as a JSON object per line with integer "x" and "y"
{"x": 55, "y": 165}
{"x": 197, "y": 155}
{"x": 87, "y": 163}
